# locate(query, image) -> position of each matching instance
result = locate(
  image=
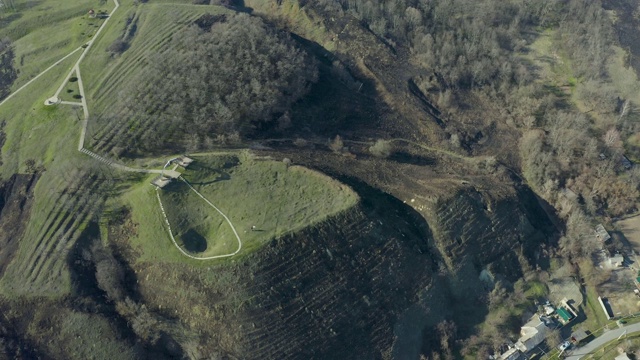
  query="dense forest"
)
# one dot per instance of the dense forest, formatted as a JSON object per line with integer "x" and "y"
{"x": 478, "y": 46}
{"x": 218, "y": 80}
{"x": 475, "y": 43}
{"x": 571, "y": 136}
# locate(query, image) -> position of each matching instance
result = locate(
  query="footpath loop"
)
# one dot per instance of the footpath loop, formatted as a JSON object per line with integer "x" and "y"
{"x": 166, "y": 219}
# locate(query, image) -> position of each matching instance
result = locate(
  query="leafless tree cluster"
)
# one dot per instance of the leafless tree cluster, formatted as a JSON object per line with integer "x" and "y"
{"x": 224, "y": 79}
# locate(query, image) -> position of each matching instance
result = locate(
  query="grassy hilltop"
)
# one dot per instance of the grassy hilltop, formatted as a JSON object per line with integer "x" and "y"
{"x": 401, "y": 180}
{"x": 74, "y": 194}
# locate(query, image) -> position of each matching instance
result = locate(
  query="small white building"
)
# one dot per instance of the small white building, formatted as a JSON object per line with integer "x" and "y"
{"x": 548, "y": 310}
{"x": 616, "y": 261}
{"x": 531, "y": 334}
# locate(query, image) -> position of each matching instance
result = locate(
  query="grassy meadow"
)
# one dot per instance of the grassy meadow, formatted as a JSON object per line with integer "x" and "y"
{"x": 45, "y": 137}
{"x": 275, "y": 198}
{"x": 44, "y": 31}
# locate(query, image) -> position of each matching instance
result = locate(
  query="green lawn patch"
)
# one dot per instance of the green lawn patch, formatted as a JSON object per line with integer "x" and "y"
{"x": 44, "y": 137}
{"x": 274, "y": 198}
{"x": 593, "y": 310}
{"x": 35, "y": 131}
{"x": 44, "y": 31}
{"x": 71, "y": 90}
{"x": 536, "y": 290}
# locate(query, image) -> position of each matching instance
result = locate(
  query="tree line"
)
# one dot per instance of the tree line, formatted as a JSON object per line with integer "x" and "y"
{"x": 569, "y": 157}
{"x": 8, "y": 73}
{"x": 218, "y": 81}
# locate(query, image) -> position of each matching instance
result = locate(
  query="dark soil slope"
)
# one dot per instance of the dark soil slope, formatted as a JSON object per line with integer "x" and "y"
{"x": 367, "y": 284}
{"x": 338, "y": 290}
{"x": 16, "y": 196}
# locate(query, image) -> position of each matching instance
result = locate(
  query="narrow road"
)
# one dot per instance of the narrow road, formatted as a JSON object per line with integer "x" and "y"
{"x": 601, "y": 340}
{"x": 37, "y": 76}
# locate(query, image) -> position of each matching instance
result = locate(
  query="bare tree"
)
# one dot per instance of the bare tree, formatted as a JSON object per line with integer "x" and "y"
{"x": 553, "y": 338}
{"x": 381, "y": 148}
{"x": 337, "y": 145}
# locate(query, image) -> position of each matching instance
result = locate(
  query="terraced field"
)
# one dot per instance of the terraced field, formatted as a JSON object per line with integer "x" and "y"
{"x": 155, "y": 24}
{"x": 64, "y": 205}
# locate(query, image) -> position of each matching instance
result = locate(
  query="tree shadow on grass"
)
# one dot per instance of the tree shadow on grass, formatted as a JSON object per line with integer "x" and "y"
{"x": 193, "y": 241}
{"x": 221, "y": 175}
{"x": 407, "y": 158}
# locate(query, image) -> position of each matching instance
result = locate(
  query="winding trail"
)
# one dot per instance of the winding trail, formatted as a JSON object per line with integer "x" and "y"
{"x": 37, "y": 76}
{"x": 166, "y": 219}
{"x": 85, "y": 108}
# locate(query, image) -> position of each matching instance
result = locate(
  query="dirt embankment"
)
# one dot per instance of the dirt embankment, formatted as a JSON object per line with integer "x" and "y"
{"x": 341, "y": 289}
{"x": 369, "y": 283}
{"x": 16, "y": 197}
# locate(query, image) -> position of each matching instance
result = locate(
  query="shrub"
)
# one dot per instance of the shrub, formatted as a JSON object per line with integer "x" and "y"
{"x": 118, "y": 46}
{"x": 337, "y": 145}
{"x": 381, "y": 148}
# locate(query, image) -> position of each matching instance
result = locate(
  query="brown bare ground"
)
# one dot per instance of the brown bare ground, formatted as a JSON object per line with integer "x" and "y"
{"x": 630, "y": 227}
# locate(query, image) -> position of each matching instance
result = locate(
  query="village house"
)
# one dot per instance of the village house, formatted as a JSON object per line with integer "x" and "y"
{"x": 616, "y": 261}
{"x": 564, "y": 315}
{"x": 511, "y": 354}
{"x": 531, "y": 334}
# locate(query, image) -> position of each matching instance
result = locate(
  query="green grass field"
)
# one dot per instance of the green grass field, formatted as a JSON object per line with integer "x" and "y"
{"x": 35, "y": 131}
{"x": 44, "y": 31}
{"x": 71, "y": 91}
{"x": 267, "y": 194}
{"x": 47, "y": 135}
{"x": 553, "y": 65}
